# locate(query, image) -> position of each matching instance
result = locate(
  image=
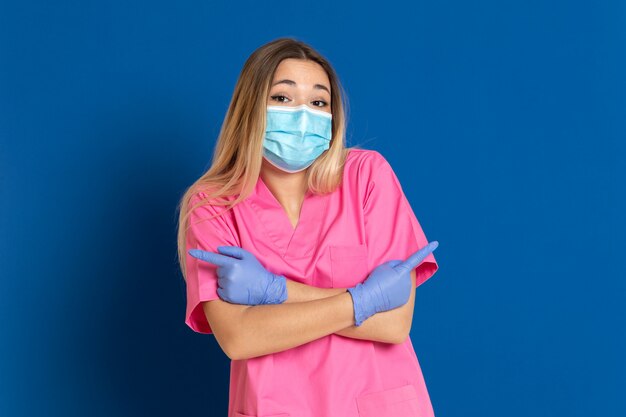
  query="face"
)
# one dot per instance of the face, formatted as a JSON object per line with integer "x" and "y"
{"x": 299, "y": 81}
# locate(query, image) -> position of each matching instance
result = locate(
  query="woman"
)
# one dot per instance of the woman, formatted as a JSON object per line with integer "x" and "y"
{"x": 302, "y": 256}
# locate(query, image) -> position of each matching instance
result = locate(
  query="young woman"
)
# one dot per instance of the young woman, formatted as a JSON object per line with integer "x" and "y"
{"x": 302, "y": 256}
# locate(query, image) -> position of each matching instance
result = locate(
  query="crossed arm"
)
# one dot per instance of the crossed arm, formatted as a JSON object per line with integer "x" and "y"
{"x": 309, "y": 313}
{"x": 392, "y": 326}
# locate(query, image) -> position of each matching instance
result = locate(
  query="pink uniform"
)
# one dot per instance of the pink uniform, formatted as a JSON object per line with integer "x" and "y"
{"x": 340, "y": 238}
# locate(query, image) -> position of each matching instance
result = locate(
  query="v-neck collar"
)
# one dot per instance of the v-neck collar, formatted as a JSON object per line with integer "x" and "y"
{"x": 291, "y": 242}
{"x": 268, "y": 193}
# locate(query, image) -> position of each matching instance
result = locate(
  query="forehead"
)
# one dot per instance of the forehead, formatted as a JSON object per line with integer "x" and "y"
{"x": 301, "y": 71}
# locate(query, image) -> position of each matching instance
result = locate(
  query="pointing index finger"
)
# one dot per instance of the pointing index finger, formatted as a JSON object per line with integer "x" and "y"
{"x": 212, "y": 257}
{"x": 415, "y": 259}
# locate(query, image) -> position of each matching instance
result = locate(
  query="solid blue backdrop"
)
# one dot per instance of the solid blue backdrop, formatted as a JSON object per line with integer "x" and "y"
{"x": 505, "y": 122}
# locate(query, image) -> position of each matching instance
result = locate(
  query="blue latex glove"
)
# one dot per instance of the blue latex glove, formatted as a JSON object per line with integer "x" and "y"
{"x": 388, "y": 286}
{"x": 241, "y": 277}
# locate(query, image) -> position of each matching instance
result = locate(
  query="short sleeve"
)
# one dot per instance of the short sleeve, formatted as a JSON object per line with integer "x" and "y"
{"x": 201, "y": 277}
{"x": 392, "y": 230}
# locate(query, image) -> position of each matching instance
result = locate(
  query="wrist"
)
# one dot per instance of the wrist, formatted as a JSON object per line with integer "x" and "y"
{"x": 276, "y": 292}
{"x": 360, "y": 303}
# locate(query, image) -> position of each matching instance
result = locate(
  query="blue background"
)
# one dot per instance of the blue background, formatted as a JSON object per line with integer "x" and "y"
{"x": 505, "y": 122}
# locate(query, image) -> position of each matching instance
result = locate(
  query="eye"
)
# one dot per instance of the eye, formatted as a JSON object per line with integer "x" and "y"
{"x": 320, "y": 101}
{"x": 276, "y": 98}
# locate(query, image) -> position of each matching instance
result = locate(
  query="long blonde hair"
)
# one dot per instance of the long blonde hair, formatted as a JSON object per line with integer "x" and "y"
{"x": 238, "y": 153}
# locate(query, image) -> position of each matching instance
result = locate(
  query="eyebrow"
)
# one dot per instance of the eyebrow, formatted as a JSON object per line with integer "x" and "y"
{"x": 293, "y": 83}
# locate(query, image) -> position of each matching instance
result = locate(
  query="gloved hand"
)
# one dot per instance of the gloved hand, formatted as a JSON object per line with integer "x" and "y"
{"x": 387, "y": 287}
{"x": 241, "y": 277}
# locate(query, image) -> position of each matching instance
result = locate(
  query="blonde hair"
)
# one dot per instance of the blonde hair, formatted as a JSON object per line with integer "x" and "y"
{"x": 238, "y": 153}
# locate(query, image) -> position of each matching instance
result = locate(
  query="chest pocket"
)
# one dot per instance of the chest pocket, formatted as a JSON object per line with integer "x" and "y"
{"x": 348, "y": 265}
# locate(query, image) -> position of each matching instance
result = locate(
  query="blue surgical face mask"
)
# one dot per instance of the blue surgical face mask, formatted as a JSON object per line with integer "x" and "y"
{"x": 296, "y": 136}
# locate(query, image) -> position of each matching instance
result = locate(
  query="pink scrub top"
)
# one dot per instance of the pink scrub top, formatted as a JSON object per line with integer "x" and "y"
{"x": 339, "y": 239}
